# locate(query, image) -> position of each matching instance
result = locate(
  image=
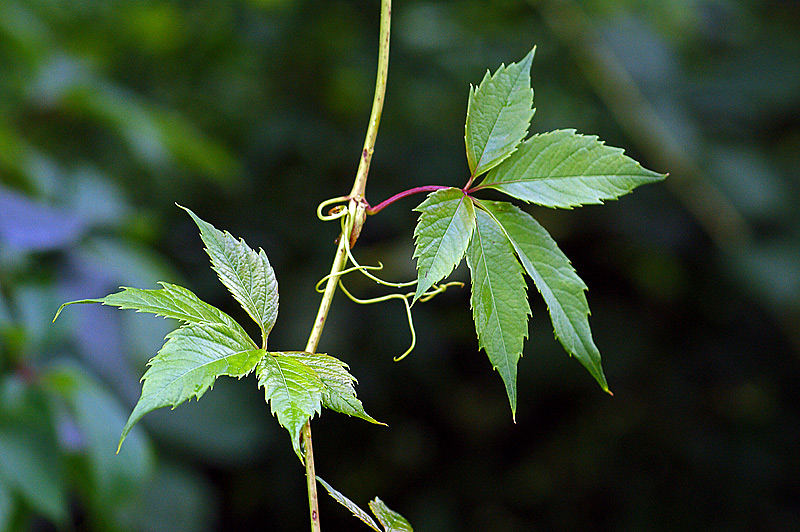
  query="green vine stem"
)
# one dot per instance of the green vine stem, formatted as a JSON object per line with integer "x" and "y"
{"x": 358, "y": 204}
{"x": 354, "y": 221}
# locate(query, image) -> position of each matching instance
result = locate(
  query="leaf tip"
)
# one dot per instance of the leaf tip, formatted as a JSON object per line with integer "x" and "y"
{"x": 185, "y": 209}
{"x": 122, "y": 439}
{"x": 529, "y": 56}
{"x": 189, "y": 211}
{"x": 58, "y": 312}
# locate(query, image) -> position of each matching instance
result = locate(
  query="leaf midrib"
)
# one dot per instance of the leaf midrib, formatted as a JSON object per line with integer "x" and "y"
{"x": 212, "y": 361}
{"x": 554, "y": 177}
{"x": 247, "y": 295}
{"x": 441, "y": 240}
{"x": 494, "y": 304}
{"x": 494, "y": 125}
{"x": 538, "y": 278}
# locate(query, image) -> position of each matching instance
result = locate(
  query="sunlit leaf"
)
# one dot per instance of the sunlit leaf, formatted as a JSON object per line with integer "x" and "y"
{"x": 293, "y": 390}
{"x": 189, "y": 363}
{"x": 442, "y": 235}
{"x": 498, "y": 115}
{"x": 391, "y": 520}
{"x": 171, "y": 301}
{"x": 338, "y": 392}
{"x": 564, "y": 169}
{"x": 499, "y": 300}
{"x": 556, "y": 280}
{"x": 246, "y": 273}
{"x": 350, "y": 505}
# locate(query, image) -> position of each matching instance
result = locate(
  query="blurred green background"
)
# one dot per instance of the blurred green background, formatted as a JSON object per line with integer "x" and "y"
{"x": 251, "y": 113}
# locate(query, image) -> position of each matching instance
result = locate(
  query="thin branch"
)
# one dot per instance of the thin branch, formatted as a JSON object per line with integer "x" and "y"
{"x": 354, "y": 221}
{"x": 360, "y": 183}
{"x": 311, "y": 479}
{"x": 358, "y": 205}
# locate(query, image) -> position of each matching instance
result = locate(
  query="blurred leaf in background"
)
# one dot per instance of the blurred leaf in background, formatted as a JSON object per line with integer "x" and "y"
{"x": 251, "y": 113}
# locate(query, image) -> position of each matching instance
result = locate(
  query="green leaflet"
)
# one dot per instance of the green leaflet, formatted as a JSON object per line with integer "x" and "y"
{"x": 338, "y": 392}
{"x": 350, "y": 505}
{"x": 499, "y": 300}
{"x": 499, "y": 112}
{"x": 189, "y": 363}
{"x": 293, "y": 390}
{"x": 564, "y": 169}
{"x": 171, "y": 301}
{"x": 442, "y": 235}
{"x": 391, "y": 520}
{"x": 211, "y": 344}
{"x": 297, "y": 384}
{"x": 556, "y": 280}
{"x": 246, "y": 273}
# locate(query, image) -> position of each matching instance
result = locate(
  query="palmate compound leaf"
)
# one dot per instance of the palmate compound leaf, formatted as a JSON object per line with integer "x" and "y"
{"x": 556, "y": 280}
{"x": 442, "y": 235}
{"x": 293, "y": 390}
{"x": 247, "y": 274}
{"x": 499, "y": 300}
{"x": 564, "y": 169}
{"x": 189, "y": 363}
{"x": 499, "y": 112}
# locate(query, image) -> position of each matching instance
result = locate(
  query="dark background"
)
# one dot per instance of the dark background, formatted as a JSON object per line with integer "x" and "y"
{"x": 253, "y": 112}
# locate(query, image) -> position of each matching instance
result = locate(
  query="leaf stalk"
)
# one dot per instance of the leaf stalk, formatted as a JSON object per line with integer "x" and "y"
{"x": 400, "y": 195}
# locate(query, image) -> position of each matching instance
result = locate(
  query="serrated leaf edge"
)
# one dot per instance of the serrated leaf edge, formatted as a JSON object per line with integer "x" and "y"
{"x": 138, "y": 413}
{"x": 350, "y": 505}
{"x": 418, "y": 252}
{"x": 475, "y": 166}
{"x": 249, "y": 305}
{"x": 542, "y": 287}
{"x": 619, "y": 153}
{"x": 510, "y": 386}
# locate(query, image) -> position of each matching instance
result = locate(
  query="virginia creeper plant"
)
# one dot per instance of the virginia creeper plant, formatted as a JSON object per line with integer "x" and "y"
{"x": 500, "y": 241}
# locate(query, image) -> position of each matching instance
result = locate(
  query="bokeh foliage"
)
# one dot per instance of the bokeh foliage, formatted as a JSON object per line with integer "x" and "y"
{"x": 251, "y": 113}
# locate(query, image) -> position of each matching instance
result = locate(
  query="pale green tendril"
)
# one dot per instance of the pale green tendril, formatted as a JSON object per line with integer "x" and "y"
{"x": 436, "y": 290}
{"x": 334, "y": 214}
{"x": 320, "y": 289}
{"x": 365, "y": 270}
{"x": 342, "y": 213}
{"x": 381, "y": 299}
